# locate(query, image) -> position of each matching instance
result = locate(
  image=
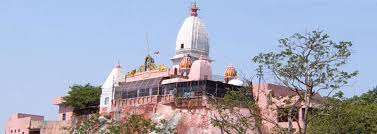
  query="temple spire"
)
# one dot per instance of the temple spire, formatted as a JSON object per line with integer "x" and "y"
{"x": 194, "y": 9}
{"x": 192, "y": 38}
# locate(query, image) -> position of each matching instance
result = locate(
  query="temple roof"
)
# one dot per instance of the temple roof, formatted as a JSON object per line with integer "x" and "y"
{"x": 193, "y": 35}
{"x": 141, "y": 84}
{"x": 116, "y": 75}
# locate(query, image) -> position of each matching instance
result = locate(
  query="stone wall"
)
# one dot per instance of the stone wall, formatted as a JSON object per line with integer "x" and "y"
{"x": 56, "y": 127}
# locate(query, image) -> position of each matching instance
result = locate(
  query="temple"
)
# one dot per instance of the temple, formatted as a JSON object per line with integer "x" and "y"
{"x": 179, "y": 94}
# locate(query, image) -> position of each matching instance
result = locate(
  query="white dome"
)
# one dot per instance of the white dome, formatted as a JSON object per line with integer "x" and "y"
{"x": 236, "y": 82}
{"x": 192, "y": 38}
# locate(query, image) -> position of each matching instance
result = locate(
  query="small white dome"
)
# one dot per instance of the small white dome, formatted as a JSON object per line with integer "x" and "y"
{"x": 236, "y": 82}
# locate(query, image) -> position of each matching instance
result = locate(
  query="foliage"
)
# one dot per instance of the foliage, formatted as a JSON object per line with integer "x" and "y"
{"x": 134, "y": 124}
{"x": 83, "y": 96}
{"x": 369, "y": 97}
{"x": 166, "y": 127}
{"x": 87, "y": 125}
{"x": 354, "y": 115}
{"x": 309, "y": 63}
{"x": 231, "y": 118}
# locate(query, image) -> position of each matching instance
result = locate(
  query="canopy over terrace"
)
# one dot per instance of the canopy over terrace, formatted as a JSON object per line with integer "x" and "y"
{"x": 186, "y": 89}
{"x": 139, "y": 88}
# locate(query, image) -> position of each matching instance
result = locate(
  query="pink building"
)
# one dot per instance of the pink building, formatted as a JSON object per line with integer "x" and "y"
{"x": 35, "y": 124}
{"x": 24, "y": 124}
{"x": 180, "y": 93}
{"x": 65, "y": 113}
{"x": 274, "y": 101}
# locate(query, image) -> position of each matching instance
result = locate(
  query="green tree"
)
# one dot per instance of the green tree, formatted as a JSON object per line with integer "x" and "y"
{"x": 309, "y": 63}
{"x": 356, "y": 115}
{"x": 369, "y": 97}
{"x": 83, "y": 97}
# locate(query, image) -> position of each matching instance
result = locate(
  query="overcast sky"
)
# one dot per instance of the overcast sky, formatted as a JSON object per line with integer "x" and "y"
{"x": 48, "y": 45}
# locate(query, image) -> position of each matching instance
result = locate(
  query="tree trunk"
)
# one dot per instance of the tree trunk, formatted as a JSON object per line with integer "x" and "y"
{"x": 290, "y": 121}
{"x": 307, "y": 105}
{"x": 290, "y": 115}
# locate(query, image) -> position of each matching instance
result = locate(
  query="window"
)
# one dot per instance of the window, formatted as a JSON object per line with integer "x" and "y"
{"x": 107, "y": 99}
{"x": 172, "y": 91}
{"x": 143, "y": 92}
{"x": 132, "y": 94}
{"x": 175, "y": 71}
{"x": 154, "y": 91}
{"x": 64, "y": 116}
{"x": 182, "y": 46}
{"x": 283, "y": 114}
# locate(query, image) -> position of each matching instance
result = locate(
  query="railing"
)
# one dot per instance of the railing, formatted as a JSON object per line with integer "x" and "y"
{"x": 161, "y": 99}
{"x": 165, "y": 99}
{"x": 139, "y": 101}
{"x": 189, "y": 102}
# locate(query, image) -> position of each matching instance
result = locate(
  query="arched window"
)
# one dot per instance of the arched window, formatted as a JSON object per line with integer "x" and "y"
{"x": 182, "y": 46}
